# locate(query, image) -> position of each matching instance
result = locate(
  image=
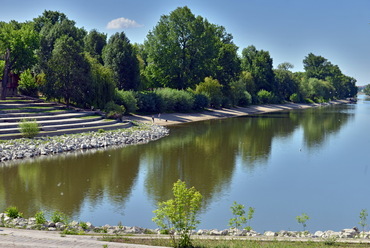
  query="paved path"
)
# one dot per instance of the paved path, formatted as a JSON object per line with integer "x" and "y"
{"x": 20, "y": 238}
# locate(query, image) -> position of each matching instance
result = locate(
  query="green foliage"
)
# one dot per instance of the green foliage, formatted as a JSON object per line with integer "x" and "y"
{"x": 149, "y": 102}
{"x": 13, "y": 212}
{"x": 27, "y": 84}
{"x": 57, "y": 216}
{"x": 363, "y": 219}
{"x": 239, "y": 218}
{"x": 94, "y": 42}
{"x": 237, "y": 90}
{"x": 102, "y": 88}
{"x": 68, "y": 73}
{"x": 266, "y": 97}
{"x": 175, "y": 100}
{"x": 114, "y": 111}
{"x": 40, "y": 217}
{"x": 367, "y": 90}
{"x": 120, "y": 57}
{"x": 302, "y": 219}
{"x": 295, "y": 98}
{"x": 2, "y": 66}
{"x": 200, "y": 101}
{"x": 127, "y": 99}
{"x": 29, "y": 128}
{"x": 83, "y": 225}
{"x": 212, "y": 89}
{"x": 180, "y": 213}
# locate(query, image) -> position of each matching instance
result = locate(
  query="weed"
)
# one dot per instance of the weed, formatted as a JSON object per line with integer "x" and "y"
{"x": 40, "y": 217}
{"x": 13, "y": 212}
{"x": 29, "y": 128}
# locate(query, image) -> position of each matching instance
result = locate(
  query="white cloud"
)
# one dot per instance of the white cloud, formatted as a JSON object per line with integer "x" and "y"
{"x": 121, "y": 23}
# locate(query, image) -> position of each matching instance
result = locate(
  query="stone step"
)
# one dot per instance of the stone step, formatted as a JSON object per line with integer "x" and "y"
{"x": 118, "y": 125}
{"x": 16, "y": 117}
{"x": 7, "y": 105}
{"x": 52, "y": 121}
{"x": 30, "y": 110}
{"x": 62, "y": 126}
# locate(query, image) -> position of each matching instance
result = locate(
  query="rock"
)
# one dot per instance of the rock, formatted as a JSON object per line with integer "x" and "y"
{"x": 270, "y": 234}
{"x": 319, "y": 234}
{"x": 202, "y": 232}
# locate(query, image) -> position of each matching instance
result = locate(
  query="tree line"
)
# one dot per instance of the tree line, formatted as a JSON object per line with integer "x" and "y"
{"x": 186, "y": 63}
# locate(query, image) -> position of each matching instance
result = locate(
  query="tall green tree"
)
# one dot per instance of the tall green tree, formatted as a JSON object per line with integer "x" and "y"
{"x": 317, "y": 67}
{"x": 285, "y": 82}
{"x": 52, "y": 25}
{"x": 94, "y": 44}
{"x": 119, "y": 55}
{"x": 18, "y": 42}
{"x": 68, "y": 73}
{"x": 184, "y": 49}
{"x": 259, "y": 64}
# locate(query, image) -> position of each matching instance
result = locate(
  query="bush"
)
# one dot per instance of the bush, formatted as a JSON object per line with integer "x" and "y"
{"x": 13, "y": 212}
{"x": 114, "y": 111}
{"x": 59, "y": 217}
{"x": 295, "y": 98}
{"x": 175, "y": 100}
{"x": 149, "y": 102}
{"x": 180, "y": 214}
{"x": 27, "y": 84}
{"x": 200, "y": 101}
{"x": 265, "y": 96}
{"x": 29, "y": 128}
{"x": 246, "y": 99}
{"x": 212, "y": 89}
{"x": 127, "y": 99}
{"x": 40, "y": 218}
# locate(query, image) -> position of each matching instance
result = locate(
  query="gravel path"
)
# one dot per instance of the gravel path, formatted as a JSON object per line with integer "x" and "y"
{"x": 21, "y": 238}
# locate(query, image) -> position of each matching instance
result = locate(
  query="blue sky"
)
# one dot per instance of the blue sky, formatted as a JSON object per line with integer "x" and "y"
{"x": 338, "y": 30}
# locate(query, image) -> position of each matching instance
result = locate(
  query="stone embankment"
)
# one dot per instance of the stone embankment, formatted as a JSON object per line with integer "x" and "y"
{"x": 29, "y": 148}
{"x": 75, "y": 227}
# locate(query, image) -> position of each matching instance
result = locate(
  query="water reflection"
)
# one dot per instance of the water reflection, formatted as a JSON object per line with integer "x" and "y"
{"x": 204, "y": 154}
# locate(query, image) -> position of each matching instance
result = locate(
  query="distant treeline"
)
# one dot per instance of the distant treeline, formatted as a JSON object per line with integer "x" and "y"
{"x": 185, "y": 63}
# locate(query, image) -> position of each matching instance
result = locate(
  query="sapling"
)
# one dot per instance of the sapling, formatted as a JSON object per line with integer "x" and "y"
{"x": 239, "y": 216}
{"x": 180, "y": 214}
{"x": 302, "y": 220}
{"x": 363, "y": 219}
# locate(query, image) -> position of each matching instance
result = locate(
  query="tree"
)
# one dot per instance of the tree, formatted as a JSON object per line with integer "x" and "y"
{"x": 239, "y": 218}
{"x": 259, "y": 64}
{"x": 67, "y": 75}
{"x": 102, "y": 88}
{"x": 180, "y": 213}
{"x": 184, "y": 49}
{"x": 52, "y": 25}
{"x": 120, "y": 57}
{"x": 317, "y": 67}
{"x": 18, "y": 42}
{"x": 302, "y": 219}
{"x": 94, "y": 44}
{"x": 285, "y": 82}
{"x": 212, "y": 89}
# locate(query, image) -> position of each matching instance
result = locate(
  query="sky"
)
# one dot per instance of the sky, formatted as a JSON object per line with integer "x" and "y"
{"x": 338, "y": 30}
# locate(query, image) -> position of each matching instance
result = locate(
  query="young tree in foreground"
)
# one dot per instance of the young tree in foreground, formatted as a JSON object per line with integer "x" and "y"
{"x": 180, "y": 213}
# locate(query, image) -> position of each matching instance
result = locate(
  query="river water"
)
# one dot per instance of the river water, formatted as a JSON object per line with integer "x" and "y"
{"x": 283, "y": 164}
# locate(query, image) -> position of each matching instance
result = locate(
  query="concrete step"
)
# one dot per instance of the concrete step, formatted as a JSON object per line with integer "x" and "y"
{"x": 16, "y": 117}
{"x": 7, "y": 105}
{"x": 118, "y": 125}
{"x": 52, "y": 121}
{"x": 30, "y": 110}
{"x": 57, "y": 127}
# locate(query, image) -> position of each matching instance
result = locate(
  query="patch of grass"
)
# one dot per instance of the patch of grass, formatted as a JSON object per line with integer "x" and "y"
{"x": 89, "y": 116}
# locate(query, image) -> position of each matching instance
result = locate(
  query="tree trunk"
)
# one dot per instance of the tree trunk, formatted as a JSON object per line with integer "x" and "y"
{"x": 5, "y": 80}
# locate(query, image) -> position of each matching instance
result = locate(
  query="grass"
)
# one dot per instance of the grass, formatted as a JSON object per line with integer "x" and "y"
{"x": 233, "y": 243}
{"x": 89, "y": 117}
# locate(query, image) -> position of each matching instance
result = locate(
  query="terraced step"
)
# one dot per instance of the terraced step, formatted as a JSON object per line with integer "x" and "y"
{"x": 16, "y": 117}
{"x": 118, "y": 125}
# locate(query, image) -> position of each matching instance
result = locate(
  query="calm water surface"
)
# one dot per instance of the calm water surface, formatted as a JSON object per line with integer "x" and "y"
{"x": 314, "y": 161}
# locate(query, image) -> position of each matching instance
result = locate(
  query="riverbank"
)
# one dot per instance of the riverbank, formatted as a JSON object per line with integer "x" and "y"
{"x": 45, "y": 146}
{"x": 167, "y": 119}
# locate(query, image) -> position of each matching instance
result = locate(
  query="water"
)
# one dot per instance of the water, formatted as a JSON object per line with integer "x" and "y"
{"x": 283, "y": 164}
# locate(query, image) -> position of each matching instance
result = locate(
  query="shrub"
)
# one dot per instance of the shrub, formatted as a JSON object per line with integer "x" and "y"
{"x": 175, "y": 100}
{"x": 212, "y": 89}
{"x": 239, "y": 216}
{"x": 59, "y": 217}
{"x": 13, "y": 212}
{"x": 114, "y": 111}
{"x": 180, "y": 213}
{"x": 246, "y": 99}
{"x": 149, "y": 102}
{"x": 127, "y": 99}
{"x": 29, "y": 128}
{"x": 294, "y": 98}
{"x": 27, "y": 84}
{"x": 200, "y": 101}
{"x": 40, "y": 217}
{"x": 302, "y": 219}
{"x": 265, "y": 96}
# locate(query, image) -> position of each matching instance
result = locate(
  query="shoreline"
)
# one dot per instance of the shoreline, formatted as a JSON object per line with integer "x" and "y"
{"x": 170, "y": 119}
